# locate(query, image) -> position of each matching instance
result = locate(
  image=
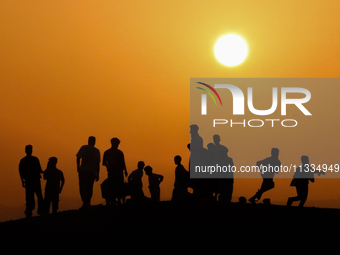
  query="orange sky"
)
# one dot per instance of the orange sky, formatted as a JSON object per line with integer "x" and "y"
{"x": 70, "y": 69}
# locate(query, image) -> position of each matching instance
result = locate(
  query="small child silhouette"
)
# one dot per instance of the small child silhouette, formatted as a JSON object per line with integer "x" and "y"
{"x": 54, "y": 185}
{"x": 154, "y": 181}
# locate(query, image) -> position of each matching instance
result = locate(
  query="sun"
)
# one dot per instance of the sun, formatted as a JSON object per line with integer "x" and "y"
{"x": 231, "y": 50}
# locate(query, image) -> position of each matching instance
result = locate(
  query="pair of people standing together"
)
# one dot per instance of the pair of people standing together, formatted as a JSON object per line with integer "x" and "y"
{"x": 30, "y": 174}
{"x": 88, "y": 165}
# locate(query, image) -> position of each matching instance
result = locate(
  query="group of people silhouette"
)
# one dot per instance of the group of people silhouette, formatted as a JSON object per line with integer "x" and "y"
{"x": 114, "y": 189}
{"x": 217, "y": 154}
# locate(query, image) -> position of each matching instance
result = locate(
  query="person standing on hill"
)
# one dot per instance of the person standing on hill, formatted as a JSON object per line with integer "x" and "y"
{"x": 154, "y": 181}
{"x": 182, "y": 176}
{"x": 30, "y": 174}
{"x": 88, "y": 160}
{"x": 115, "y": 164}
{"x": 54, "y": 184}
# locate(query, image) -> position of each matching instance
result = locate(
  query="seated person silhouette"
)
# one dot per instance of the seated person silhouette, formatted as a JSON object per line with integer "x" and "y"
{"x": 135, "y": 182}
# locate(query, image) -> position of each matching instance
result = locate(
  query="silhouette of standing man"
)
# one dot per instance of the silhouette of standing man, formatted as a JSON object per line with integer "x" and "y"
{"x": 226, "y": 184}
{"x": 180, "y": 191}
{"x": 267, "y": 167}
{"x": 88, "y": 160}
{"x": 115, "y": 164}
{"x": 30, "y": 170}
{"x": 197, "y": 158}
{"x": 196, "y": 145}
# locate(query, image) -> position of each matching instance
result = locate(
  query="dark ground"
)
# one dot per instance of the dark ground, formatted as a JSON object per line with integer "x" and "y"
{"x": 132, "y": 226}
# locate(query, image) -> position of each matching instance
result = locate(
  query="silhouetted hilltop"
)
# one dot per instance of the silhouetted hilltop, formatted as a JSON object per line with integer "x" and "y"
{"x": 108, "y": 226}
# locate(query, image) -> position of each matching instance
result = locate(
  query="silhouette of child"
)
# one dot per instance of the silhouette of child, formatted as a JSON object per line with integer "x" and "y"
{"x": 154, "y": 181}
{"x": 54, "y": 185}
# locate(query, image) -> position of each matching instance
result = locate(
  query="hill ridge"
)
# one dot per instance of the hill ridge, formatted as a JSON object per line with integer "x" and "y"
{"x": 104, "y": 224}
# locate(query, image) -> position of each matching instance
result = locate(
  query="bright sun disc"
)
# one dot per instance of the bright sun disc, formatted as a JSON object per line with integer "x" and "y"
{"x": 231, "y": 50}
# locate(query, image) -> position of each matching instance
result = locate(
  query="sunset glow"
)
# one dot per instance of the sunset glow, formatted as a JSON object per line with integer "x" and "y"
{"x": 74, "y": 69}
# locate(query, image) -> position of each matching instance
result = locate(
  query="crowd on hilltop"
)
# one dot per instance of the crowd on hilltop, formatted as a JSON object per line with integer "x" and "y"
{"x": 216, "y": 154}
{"x": 114, "y": 189}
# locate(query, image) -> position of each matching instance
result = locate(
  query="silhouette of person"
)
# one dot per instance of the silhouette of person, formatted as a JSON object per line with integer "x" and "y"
{"x": 211, "y": 154}
{"x": 196, "y": 139}
{"x": 191, "y": 182}
{"x": 88, "y": 161}
{"x": 54, "y": 184}
{"x": 180, "y": 191}
{"x": 302, "y": 176}
{"x": 196, "y": 145}
{"x": 267, "y": 167}
{"x": 30, "y": 173}
{"x": 226, "y": 184}
{"x": 188, "y": 146}
{"x": 115, "y": 164}
{"x": 242, "y": 200}
{"x": 197, "y": 158}
{"x": 107, "y": 193}
{"x": 135, "y": 182}
{"x": 154, "y": 181}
